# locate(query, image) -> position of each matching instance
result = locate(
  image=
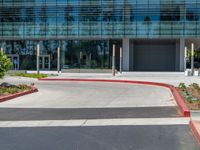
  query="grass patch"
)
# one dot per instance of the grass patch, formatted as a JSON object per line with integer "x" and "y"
{"x": 191, "y": 94}
{"x": 13, "y": 89}
{"x": 30, "y": 75}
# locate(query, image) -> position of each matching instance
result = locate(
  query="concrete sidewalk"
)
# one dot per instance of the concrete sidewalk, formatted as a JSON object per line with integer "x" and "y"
{"x": 173, "y": 78}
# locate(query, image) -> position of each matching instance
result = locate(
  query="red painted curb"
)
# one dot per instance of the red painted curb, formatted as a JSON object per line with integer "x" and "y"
{"x": 195, "y": 131}
{"x": 179, "y": 99}
{"x": 11, "y": 96}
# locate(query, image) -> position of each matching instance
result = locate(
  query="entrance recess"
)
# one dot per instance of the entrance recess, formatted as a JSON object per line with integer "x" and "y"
{"x": 45, "y": 62}
{"x": 155, "y": 55}
{"x": 15, "y": 60}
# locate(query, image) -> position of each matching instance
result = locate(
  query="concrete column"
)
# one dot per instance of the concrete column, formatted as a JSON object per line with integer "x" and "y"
{"x": 126, "y": 57}
{"x": 177, "y": 62}
{"x": 131, "y": 56}
{"x": 182, "y": 54}
{"x": 121, "y": 59}
{"x": 63, "y": 49}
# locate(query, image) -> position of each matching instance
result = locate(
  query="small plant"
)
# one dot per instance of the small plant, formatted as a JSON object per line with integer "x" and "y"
{"x": 182, "y": 86}
{"x": 195, "y": 86}
{"x": 24, "y": 87}
{"x": 198, "y": 103}
{"x": 5, "y": 64}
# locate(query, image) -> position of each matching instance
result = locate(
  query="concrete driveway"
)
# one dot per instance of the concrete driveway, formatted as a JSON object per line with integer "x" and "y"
{"x": 86, "y": 100}
{"x": 92, "y": 95}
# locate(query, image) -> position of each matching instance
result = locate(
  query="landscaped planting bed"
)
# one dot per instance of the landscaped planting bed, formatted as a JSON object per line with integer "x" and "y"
{"x": 191, "y": 95}
{"x": 8, "y": 89}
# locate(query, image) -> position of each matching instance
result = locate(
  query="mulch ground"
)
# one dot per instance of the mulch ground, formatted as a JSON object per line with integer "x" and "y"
{"x": 194, "y": 105}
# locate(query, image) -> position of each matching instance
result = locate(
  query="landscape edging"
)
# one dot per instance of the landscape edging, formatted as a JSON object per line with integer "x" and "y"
{"x": 12, "y": 96}
{"x": 195, "y": 131}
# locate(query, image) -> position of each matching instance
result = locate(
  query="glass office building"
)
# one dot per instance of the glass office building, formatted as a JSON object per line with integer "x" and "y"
{"x": 152, "y": 33}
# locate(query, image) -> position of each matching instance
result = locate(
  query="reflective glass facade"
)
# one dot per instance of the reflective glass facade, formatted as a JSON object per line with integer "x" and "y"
{"x": 90, "y": 27}
{"x": 96, "y": 54}
{"x": 99, "y": 18}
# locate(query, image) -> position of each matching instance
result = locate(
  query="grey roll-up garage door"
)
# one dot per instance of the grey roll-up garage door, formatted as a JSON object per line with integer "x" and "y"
{"x": 154, "y": 56}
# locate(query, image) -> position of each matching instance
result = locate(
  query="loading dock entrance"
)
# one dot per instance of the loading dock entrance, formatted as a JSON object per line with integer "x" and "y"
{"x": 154, "y": 55}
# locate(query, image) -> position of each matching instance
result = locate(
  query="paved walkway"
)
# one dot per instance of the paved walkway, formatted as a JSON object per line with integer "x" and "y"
{"x": 173, "y": 78}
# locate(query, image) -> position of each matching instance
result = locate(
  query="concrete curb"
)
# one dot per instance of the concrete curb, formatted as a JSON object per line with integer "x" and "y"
{"x": 195, "y": 130}
{"x": 12, "y": 96}
{"x": 179, "y": 99}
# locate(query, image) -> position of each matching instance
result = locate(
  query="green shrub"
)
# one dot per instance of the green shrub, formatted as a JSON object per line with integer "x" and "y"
{"x": 30, "y": 75}
{"x": 8, "y": 90}
{"x": 5, "y": 64}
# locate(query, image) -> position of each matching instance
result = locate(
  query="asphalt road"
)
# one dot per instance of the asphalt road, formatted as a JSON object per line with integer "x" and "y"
{"x": 17, "y": 114}
{"x": 98, "y": 138}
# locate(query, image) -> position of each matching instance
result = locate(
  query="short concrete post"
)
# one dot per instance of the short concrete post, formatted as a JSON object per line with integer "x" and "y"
{"x": 185, "y": 59}
{"x": 121, "y": 56}
{"x": 81, "y": 57}
{"x": 2, "y": 51}
{"x": 113, "y": 61}
{"x": 192, "y": 58}
{"x": 90, "y": 59}
{"x": 58, "y": 59}
{"x": 38, "y": 59}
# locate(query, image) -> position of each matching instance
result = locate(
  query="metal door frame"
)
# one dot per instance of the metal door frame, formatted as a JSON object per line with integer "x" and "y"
{"x": 43, "y": 62}
{"x": 11, "y": 56}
